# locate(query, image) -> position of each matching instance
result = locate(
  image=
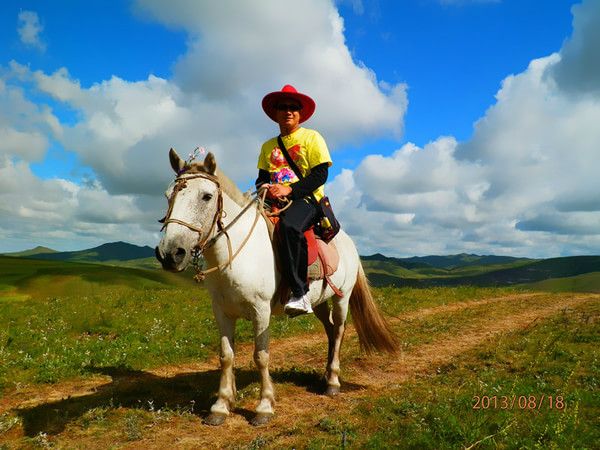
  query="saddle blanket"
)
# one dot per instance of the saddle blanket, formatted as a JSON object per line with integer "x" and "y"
{"x": 323, "y": 259}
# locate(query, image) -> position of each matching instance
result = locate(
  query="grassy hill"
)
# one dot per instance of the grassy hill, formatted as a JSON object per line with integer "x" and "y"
{"x": 39, "y": 250}
{"x": 514, "y": 273}
{"x": 386, "y": 267}
{"x": 22, "y": 278}
{"x": 587, "y": 282}
{"x": 139, "y": 263}
{"x": 426, "y": 271}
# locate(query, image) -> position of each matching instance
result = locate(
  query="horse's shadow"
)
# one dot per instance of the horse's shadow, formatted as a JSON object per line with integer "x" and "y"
{"x": 191, "y": 392}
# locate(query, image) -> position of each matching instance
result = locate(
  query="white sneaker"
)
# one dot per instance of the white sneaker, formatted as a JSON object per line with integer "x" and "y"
{"x": 297, "y": 306}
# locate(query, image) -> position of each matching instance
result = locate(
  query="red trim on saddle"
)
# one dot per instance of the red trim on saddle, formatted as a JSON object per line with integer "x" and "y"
{"x": 311, "y": 241}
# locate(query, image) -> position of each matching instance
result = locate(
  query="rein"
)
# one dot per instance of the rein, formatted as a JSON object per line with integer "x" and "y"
{"x": 203, "y": 244}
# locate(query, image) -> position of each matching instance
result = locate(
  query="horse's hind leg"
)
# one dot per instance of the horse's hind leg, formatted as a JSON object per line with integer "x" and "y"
{"x": 335, "y": 335}
{"x": 225, "y": 401}
{"x": 264, "y": 410}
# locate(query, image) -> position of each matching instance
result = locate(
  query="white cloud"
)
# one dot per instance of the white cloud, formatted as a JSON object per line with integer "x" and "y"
{"x": 583, "y": 223}
{"x": 59, "y": 85}
{"x": 526, "y": 183}
{"x": 64, "y": 215}
{"x": 126, "y": 124}
{"x": 25, "y": 127}
{"x": 217, "y": 105}
{"x": 124, "y": 128}
{"x": 236, "y": 61}
{"x": 31, "y": 146}
{"x": 29, "y": 30}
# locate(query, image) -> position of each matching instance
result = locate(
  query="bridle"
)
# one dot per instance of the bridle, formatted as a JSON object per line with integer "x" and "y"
{"x": 206, "y": 241}
{"x": 181, "y": 184}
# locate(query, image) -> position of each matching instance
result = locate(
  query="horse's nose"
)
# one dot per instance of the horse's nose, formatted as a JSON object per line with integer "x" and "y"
{"x": 179, "y": 255}
{"x": 170, "y": 260}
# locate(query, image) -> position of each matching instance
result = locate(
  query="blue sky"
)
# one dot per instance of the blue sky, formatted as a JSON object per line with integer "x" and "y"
{"x": 426, "y": 87}
{"x": 95, "y": 42}
{"x": 453, "y": 57}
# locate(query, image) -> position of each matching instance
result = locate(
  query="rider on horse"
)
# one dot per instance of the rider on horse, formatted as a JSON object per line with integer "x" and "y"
{"x": 308, "y": 150}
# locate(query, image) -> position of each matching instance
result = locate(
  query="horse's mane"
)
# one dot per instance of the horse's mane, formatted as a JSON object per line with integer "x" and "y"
{"x": 228, "y": 186}
{"x": 231, "y": 189}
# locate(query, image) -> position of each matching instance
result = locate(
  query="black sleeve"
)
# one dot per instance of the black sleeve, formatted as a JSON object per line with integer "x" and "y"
{"x": 304, "y": 187}
{"x": 263, "y": 177}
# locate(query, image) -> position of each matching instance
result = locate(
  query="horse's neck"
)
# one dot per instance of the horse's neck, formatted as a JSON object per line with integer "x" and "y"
{"x": 219, "y": 253}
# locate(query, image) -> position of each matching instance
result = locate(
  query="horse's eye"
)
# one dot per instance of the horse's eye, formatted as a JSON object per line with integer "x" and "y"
{"x": 207, "y": 197}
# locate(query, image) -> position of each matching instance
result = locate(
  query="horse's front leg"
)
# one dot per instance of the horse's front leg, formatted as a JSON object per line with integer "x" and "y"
{"x": 264, "y": 410}
{"x": 226, "y": 399}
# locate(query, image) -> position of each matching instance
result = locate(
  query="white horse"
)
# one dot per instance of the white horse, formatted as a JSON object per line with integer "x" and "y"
{"x": 247, "y": 286}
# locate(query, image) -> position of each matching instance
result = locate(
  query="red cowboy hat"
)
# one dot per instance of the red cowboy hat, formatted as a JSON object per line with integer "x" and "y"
{"x": 271, "y": 100}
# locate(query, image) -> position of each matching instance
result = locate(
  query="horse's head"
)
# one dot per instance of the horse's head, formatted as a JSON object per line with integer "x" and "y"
{"x": 193, "y": 213}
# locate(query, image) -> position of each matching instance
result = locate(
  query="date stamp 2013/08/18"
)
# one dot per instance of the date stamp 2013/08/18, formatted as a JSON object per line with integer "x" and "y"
{"x": 527, "y": 402}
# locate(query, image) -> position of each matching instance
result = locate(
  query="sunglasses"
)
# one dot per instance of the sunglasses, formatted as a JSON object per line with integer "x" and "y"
{"x": 288, "y": 107}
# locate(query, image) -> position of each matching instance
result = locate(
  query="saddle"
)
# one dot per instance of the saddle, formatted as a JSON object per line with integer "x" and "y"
{"x": 323, "y": 260}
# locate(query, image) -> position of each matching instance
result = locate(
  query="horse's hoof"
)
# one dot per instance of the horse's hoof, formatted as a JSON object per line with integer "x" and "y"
{"x": 261, "y": 419}
{"x": 215, "y": 419}
{"x": 332, "y": 391}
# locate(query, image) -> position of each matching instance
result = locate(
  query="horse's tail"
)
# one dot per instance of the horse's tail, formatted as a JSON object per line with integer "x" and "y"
{"x": 374, "y": 332}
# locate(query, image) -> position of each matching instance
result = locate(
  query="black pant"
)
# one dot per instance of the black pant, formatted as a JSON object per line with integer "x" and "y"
{"x": 293, "y": 251}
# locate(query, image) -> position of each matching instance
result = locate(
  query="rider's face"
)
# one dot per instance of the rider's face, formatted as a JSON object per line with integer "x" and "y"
{"x": 288, "y": 115}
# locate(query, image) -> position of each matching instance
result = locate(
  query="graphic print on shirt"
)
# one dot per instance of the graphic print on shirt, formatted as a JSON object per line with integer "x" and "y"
{"x": 280, "y": 170}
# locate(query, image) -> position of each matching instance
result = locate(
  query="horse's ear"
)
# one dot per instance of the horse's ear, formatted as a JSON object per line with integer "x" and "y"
{"x": 210, "y": 164}
{"x": 176, "y": 162}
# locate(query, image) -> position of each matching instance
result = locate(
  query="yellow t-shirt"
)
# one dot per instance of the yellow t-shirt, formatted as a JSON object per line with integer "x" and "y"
{"x": 307, "y": 148}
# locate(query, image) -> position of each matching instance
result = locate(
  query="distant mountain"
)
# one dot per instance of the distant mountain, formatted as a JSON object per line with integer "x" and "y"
{"x": 463, "y": 260}
{"x": 403, "y": 262}
{"x": 446, "y": 262}
{"x": 418, "y": 271}
{"x": 39, "y": 250}
{"x": 520, "y": 272}
{"x": 22, "y": 278}
{"x": 114, "y": 251}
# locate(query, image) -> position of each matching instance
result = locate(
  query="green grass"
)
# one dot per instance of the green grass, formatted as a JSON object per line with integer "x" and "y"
{"x": 469, "y": 271}
{"x": 101, "y": 319}
{"x": 390, "y": 268}
{"x": 558, "y": 357}
{"x": 60, "y": 320}
{"x": 139, "y": 263}
{"x": 588, "y": 282}
{"x": 44, "y": 341}
{"x": 36, "y": 276}
{"x": 395, "y": 301}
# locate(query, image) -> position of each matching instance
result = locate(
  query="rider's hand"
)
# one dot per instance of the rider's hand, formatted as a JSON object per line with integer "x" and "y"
{"x": 279, "y": 190}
